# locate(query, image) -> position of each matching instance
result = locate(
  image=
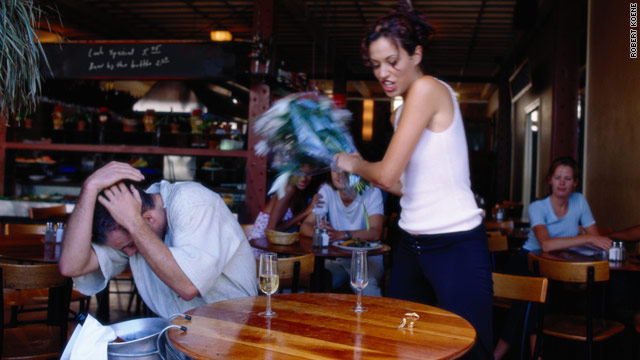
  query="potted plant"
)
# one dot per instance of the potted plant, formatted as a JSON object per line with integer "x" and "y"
{"x": 20, "y": 56}
{"x": 80, "y": 119}
{"x": 174, "y": 121}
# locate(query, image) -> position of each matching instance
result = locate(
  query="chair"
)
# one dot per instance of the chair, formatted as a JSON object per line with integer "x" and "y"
{"x": 497, "y": 243}
{"x": 36, "y": 341}
{"x": 523, "y": 288}
{"x": 58, "y": 212}
{"x": 575, "y": 327}
{"x": 18, "y": 299}
{"x": 10, "y": 228}
{"x": 505, "y": 227}
{"x": 294, "y": 271}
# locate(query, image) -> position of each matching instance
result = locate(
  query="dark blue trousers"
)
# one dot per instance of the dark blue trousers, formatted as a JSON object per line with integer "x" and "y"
{"x": 451, "y": 271}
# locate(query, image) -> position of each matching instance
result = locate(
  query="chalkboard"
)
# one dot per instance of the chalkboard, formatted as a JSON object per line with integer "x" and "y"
{"x": 185, "y": 60}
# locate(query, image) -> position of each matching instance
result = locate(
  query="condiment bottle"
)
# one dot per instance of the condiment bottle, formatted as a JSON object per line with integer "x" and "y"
{"x": 57, "y": 117}
{"x": 149, "y": 120}
{"x": 317, "y": 238}
{"x": 59, "y": 232}
{"x": 196, "y": 121}
{"x": 325, "y": 238}
{"x": 50, "y": 233}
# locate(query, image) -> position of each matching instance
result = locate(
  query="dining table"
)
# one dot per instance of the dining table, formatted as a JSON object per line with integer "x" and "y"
{"x": 304, "y": 246}
{"x": 321, "y": 326}
{"x": 631, "y": 263}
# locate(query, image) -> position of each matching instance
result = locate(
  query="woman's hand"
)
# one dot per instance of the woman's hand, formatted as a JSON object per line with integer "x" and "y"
{"x": 347, "y": 162}
{"x": 601, "y": 242}
{"x": 316, "y": 199}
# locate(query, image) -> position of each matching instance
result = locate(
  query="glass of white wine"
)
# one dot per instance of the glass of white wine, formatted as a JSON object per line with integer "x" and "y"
{"x": 359, "y": 276}
{"x": 269, "y": 279}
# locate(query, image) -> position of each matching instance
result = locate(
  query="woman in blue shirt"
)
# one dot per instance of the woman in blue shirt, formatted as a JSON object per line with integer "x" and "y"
{"x": 555, "y": 225}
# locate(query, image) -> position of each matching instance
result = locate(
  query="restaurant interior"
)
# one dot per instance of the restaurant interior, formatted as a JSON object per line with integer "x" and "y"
{"x": 535, "y": 80}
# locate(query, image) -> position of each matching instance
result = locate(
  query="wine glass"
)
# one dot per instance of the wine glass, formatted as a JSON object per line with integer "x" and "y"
{"x": 269, "y": 279}
{"x": 359, "y": 276}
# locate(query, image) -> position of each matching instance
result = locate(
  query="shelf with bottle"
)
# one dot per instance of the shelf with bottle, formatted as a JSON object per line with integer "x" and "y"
{"x": 66, "y": 171}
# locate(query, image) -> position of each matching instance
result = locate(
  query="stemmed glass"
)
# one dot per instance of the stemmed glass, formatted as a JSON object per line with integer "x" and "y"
{"x": 359, "y": 276}
{"x": 269, "y": 279}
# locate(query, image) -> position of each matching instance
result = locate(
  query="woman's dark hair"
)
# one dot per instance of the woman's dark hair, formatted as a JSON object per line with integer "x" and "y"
{"x": 300, "y": 199}
{"x": 405, "y": 26}
{"x": 563, "y": 161}
{"x": 103, "y": 222}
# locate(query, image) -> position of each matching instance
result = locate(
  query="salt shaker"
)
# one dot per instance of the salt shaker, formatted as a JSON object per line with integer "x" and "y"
{"x": 317, "y": 238}
{"x": 325, "y": 238}
{"x": 59, "y": 232}
{"x": 50, "y": 233}
{"x": 500, "y": 214}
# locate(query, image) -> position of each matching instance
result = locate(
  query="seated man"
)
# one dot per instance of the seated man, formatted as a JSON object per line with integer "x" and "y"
{"x": 183, "y": 245}
{"x": 347, "y": 220}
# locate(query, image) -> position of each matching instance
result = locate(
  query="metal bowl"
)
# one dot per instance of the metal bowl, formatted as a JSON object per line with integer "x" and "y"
{"x": 140, "y": 339}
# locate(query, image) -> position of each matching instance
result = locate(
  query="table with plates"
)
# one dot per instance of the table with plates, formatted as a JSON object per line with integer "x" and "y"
{"x": 631, "y": 263}
{"x": 320, "y": 326}
{"x": 305, "y": 246}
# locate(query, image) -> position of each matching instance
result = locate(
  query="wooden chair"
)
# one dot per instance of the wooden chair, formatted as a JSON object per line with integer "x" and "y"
{"x": 294, "y": 272}
{"x": 58, "y": 212}
{"x": 533, "y": 290}
{"x": 505, "y": 227}
{"x": 10, "y": 228}
{"x": 576, "y": 327}
{"x": 19, "y": 299}
{"x": 39, "y": 341}
{"x": 497, "y": 243}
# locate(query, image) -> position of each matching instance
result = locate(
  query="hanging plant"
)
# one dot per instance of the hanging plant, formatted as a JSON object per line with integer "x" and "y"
{"x": 20, "y": 56}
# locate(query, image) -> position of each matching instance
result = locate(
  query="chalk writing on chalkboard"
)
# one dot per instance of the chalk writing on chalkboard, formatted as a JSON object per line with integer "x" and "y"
{"x": 131, "y": 60}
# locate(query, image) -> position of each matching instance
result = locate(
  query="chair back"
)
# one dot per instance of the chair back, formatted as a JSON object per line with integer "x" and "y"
{"x": 505, "y": 227}
{"x": 575, "y": 272}
{"x": 294, "y": 271}
{"x": 525, "y": 288}
{"x": 51, "y": 212}
{"x": 498, "y": 243}
{"x": 13, "y": 229}
{"x": 29, "y": 340}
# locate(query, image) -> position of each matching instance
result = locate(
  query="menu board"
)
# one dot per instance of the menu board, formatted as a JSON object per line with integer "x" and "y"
{"x": 187, "y": 60}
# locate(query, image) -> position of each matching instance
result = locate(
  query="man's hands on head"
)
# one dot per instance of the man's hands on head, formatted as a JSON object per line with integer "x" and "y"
{"x": 124, "y": 205}
{"x": 111, "y": 174}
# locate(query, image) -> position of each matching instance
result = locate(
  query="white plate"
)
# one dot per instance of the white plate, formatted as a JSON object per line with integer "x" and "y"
{"x": 37, "y": 177}
{"x": 351, "y": 248}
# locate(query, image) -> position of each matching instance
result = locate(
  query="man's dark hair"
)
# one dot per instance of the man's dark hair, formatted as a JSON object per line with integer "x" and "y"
{"x": 103, "y": 222}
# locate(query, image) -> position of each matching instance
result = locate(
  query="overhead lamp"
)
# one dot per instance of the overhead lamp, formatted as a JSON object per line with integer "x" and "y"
{"x": 221, "y": 34}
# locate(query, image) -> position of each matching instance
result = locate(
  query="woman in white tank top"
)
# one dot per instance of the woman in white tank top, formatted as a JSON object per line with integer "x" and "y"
{"x": 442, "y": 256}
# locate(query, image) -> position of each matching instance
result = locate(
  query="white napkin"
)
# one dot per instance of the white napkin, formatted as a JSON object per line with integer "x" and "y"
{"x": 89, "y": 341}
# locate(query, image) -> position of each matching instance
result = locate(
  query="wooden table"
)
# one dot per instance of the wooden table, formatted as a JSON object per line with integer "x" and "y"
{"x": 321, "y": 326}
{"x": 305, "y": 246}
{"x": 632, "y": 263}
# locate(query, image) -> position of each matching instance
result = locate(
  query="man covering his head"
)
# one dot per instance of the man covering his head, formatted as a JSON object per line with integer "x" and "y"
{"x": 183, "y": 245}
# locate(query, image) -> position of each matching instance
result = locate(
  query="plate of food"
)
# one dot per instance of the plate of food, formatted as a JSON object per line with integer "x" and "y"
{"x": 356, "y": 244}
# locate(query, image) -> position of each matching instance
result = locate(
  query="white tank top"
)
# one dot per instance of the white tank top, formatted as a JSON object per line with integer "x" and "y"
{"x": 436, "y": 188}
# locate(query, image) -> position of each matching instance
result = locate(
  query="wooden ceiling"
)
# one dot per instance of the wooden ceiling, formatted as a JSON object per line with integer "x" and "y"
{"x": 473, "y": 37}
